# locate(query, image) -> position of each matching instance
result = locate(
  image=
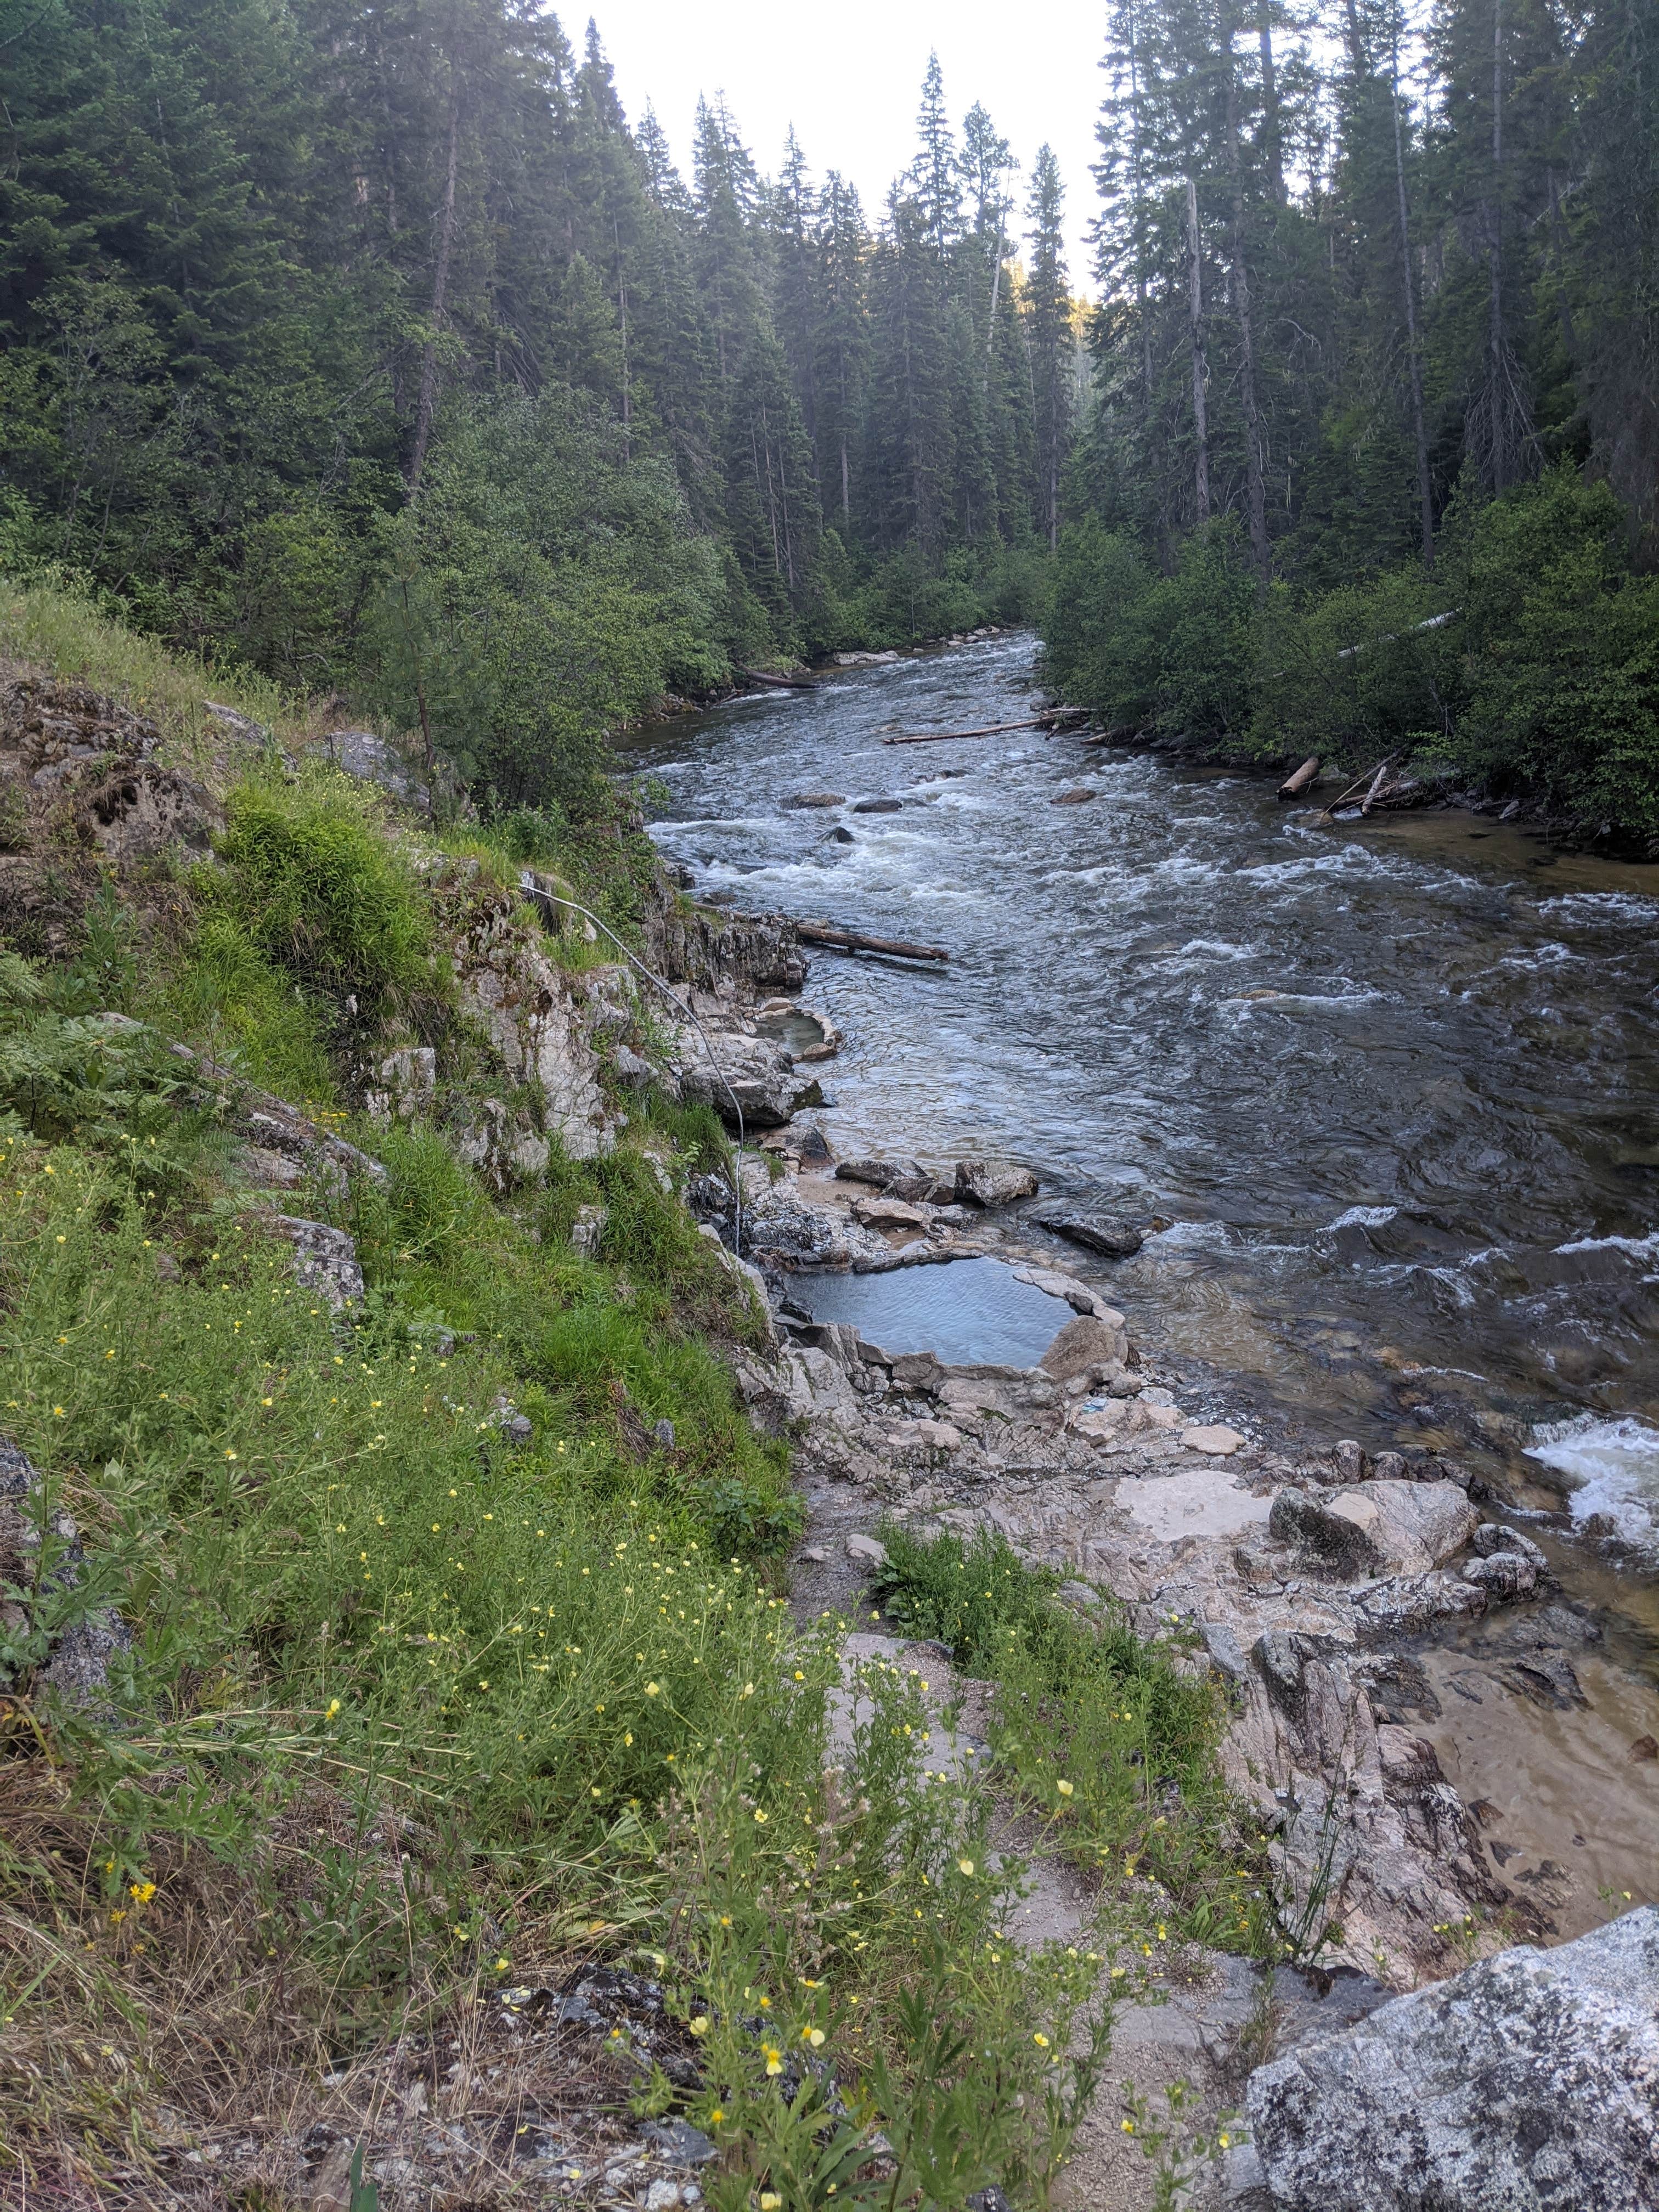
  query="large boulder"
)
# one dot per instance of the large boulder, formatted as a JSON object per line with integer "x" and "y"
{"x": 988, "y": 1182}
{"x": 1090, "y": 1340}
{"x": 1377, "y": 1529}
{"x": 1527, "y": 2084}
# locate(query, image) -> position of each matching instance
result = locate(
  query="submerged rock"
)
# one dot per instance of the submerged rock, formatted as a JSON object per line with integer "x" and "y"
{"x": 1115, "y": 1239}
{"x": 1530, "y": 2081}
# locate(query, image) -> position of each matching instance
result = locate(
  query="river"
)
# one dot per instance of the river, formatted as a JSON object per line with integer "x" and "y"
{"x": 1394, "y": 1084}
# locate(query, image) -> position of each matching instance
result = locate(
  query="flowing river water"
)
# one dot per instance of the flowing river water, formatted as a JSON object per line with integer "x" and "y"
{"x": 1393, "y": 1084}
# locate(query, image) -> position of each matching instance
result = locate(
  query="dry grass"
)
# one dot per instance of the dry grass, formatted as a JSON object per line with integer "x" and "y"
{"x": 179, "y": 2059}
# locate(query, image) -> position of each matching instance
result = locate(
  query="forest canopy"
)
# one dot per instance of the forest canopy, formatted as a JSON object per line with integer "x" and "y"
{"x": 378, "y": 349}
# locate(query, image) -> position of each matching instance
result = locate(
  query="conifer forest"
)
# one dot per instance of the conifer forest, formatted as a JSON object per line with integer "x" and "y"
{"x": 378, "y": 349}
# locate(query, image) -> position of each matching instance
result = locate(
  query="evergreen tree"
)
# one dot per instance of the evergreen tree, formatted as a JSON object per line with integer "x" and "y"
{"x": 1048, "y": 318}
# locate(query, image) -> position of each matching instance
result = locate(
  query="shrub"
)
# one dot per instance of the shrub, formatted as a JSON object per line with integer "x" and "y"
{"x": 320, "y": 890}
{"x": 1175, "y": 654}
{"x": 1563, "y": 654}
{"x": 1356, "y": 673}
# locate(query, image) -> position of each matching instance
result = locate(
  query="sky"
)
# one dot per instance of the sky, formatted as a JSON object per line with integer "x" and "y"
{"x": 848, "y": 76}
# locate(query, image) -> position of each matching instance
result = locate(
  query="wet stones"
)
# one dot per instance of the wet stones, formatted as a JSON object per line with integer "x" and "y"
{"x": 989, "y": 1183}
{"x": 1111, "y": 1236}
{"x": 1504, "y": 1575}
{"x": 1214, "y": 1437}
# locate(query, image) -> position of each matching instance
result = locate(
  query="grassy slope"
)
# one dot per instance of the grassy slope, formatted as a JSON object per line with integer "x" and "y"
{"x": 411, "y": 1714}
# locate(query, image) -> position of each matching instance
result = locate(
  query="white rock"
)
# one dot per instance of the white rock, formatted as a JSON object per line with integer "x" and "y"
{"x": 1529, "y": 2083}
{"x": 866, "y": 1552}
{"x": 1197, "y": 1502}
{"x": 1217, "y": 1439}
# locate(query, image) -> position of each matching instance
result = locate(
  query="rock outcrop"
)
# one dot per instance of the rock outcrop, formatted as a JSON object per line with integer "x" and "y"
{"x": 542, "y": 1023}
{"x": 755, "y": 953}
{"x": 1381, "y": 1529}
{"x": 1527, "y": 2084}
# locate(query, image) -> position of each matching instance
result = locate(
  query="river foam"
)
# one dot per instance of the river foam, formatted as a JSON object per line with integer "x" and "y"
{"x": 1611, "y": 1467}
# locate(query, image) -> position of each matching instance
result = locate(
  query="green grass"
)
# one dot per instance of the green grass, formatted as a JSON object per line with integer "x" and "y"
{"x": 582, "y": 1710}
{"x": 409, "y": 1710}
{"x": 1104, "y": 1735}
{"x": 65, "y": 626}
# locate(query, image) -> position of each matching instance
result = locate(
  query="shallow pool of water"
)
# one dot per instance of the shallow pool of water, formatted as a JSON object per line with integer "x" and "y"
{"x": 966, "y": 1312}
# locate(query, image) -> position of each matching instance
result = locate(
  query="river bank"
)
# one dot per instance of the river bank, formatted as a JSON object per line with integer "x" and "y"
{"x": 1288, "y": 1055}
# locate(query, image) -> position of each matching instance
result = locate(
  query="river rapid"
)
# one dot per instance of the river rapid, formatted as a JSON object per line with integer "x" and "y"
{"x": 1394, "y": 1084}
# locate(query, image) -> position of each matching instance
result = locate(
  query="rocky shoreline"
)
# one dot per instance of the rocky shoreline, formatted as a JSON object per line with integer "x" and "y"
{"x": 1306, "y": 1579}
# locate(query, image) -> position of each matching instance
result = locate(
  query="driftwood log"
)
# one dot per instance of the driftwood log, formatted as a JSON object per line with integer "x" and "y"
{"x": 781, "y": 683}
{"x": 1371, "y": 783}
{"x": 854, "y": 941}
{"x": 1297, "y": 782}
{"x": 945, "y": 737}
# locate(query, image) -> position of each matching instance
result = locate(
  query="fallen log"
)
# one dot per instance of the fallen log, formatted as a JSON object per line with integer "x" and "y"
{"x": 781, "y": 683}
{"x": 945, "y": 737}
{"x": 1378, "y": 782}
{"x": 852, "y": 941}
{"x": 1302, "y": 778}
{"x": 1373, "y": 777}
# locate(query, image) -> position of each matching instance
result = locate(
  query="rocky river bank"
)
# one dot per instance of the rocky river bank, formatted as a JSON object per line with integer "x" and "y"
{"x": 1316, "y": 1582}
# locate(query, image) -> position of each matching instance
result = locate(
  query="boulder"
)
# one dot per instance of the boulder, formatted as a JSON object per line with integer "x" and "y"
{"x": 366, "y": 755}
{"x": 866, "y": 1552}
{"x": 887, "y": 1213}
{"x": 1085, "y": 1342}
{"x": 1504, "y": 1575}
{"x": 1379, "y": 1529}
{"x": 809, "y": 799}
{"x": 324, "y": 1259}
{"x": 1100, "y": 1232}
{"x": 1076, "y": 797}
{"x": 987, "y": 1182}
{"x": 878, "y": 806}
{"x": 1527, "y": 2084}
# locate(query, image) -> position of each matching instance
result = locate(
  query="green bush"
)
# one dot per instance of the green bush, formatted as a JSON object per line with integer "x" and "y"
{"x": 1171, "y": 654}
{"x": 1355, "y": 674}
{"x": 1563, "y": 645}
{"x": 319, "y": 890}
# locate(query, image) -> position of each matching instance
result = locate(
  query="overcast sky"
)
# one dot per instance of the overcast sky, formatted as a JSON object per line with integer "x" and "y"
{"x": 847, "y": 74}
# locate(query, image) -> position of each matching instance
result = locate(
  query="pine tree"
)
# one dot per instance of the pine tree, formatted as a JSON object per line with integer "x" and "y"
{"x": 1048, "y": 321}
